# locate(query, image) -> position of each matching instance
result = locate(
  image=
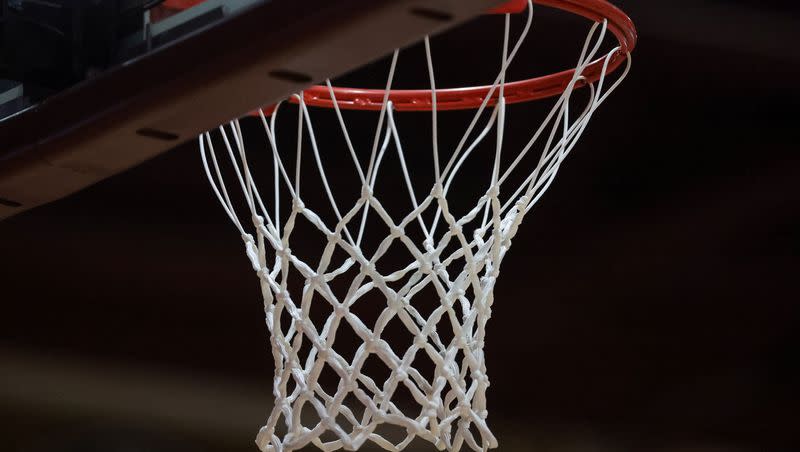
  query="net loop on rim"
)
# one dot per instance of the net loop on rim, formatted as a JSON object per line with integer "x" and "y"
{"x": 457, "y": 256}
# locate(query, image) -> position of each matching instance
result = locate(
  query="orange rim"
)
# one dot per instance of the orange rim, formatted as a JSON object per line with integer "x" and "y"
{"x": 514, "y": 92}
{"x": 473, "y": 97}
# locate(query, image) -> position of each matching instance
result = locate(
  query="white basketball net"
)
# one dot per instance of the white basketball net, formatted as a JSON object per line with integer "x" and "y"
{"x": 459, "y": 257}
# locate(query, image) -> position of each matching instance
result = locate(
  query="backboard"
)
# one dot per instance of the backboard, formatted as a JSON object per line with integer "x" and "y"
{"x": 145, "y": 96}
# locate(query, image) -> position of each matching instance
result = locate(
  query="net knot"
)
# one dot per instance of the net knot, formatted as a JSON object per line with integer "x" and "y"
{"x": 298, "y": 205}
{"x": 438, "y": 191}
{"x": 284, "y": 252}
{"x": 341, "y": 310}
{"x": 397, "y": 232}
{"x": 430, "y": 409}
{"x": 396, "y": 304}
{"x": 494, "y": 191}
{"x": 366, "y": 193}
{"x": 328, "y": 422}
{"x": 380, "y": 415}
{"x": 370, "y": 345}
{"x": 425, "y": 265}
{"x": 252, "y": 252}
{"x": 317, "y": 280}
{"x": 401, "y": 375}
{"x": 480, "y": 377}
{"x": 350, "y": 385}
{"x": 522, "y": 203}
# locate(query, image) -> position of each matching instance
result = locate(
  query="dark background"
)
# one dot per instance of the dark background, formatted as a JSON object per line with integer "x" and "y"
{"x": 649, "y": 303}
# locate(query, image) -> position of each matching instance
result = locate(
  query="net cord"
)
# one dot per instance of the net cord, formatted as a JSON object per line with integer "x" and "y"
{"x": 454, "y": 401}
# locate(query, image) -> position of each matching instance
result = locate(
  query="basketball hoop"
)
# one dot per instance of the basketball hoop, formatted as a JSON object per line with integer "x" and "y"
{"x": 455, "y": 254}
